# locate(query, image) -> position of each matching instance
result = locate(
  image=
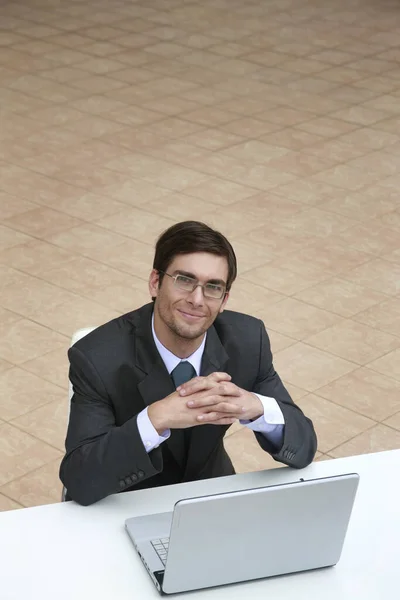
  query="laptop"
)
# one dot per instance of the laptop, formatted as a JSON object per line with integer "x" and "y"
{"x": 245, "y": 535}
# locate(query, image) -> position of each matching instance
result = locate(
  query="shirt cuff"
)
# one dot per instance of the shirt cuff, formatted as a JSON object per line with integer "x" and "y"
{"x": 148, "y": 433}
{"x": 271, "y": 417}
{"x": 271, "y": 423}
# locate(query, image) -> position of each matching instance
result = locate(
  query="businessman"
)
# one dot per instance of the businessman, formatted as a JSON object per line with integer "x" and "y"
{"x": 155, "y": 390}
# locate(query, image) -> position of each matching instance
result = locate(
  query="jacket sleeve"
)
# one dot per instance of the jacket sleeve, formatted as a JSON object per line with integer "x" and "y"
{"x": 299, "y": 439}
{"x": 101, "y": 458}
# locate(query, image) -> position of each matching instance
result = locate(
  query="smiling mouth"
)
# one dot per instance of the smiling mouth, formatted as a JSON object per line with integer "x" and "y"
{"x": 190, "y": 316}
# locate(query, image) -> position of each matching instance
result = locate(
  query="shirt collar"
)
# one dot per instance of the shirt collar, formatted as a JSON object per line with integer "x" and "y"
{"x": 171, "y": 361}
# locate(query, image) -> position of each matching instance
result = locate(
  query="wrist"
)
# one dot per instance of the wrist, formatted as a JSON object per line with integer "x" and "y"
{"x": 156, "y": 418}
{"x": 258, "y": 408}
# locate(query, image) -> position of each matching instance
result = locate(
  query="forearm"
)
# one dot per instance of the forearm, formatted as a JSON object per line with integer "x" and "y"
{"x": 114, "y": 461}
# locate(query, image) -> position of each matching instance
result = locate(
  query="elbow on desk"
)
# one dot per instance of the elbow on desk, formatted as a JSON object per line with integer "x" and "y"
{"x": 80, "y": 488}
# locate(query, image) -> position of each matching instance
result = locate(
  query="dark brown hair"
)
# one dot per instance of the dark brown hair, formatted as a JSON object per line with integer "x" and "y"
{"x": 193, "y": 236}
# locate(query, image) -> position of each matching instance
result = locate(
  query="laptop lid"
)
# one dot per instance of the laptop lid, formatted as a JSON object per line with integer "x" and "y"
{"x": 256, "y": 533}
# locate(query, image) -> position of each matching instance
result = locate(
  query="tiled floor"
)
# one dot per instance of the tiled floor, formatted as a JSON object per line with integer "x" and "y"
{"x": 276, "y": 121}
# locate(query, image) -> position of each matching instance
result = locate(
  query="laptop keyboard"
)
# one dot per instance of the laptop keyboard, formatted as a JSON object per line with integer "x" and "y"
{"x": 161, "y": 547}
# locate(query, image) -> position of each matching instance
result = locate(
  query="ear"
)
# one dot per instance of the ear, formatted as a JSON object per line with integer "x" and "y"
{"x": 224, "y": 301}
{"x": 154, "y": 281}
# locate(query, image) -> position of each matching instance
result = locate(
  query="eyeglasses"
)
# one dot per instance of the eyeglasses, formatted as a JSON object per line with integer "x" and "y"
{"x": 214, "y": 291}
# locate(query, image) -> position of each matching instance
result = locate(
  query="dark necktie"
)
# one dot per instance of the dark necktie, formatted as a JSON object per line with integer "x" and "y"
{"x": 182, "y": 373}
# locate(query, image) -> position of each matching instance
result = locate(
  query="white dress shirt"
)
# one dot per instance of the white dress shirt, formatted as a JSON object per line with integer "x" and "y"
{"x": 270, "y": 424}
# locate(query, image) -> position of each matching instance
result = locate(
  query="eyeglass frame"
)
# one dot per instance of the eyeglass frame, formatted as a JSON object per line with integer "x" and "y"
{"x": 196, "y": 285}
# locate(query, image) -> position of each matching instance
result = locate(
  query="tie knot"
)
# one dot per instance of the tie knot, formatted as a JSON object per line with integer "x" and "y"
{"x": 182, "y": 373}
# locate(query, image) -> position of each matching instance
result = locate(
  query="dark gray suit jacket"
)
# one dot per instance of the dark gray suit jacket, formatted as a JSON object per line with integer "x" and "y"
{"x": 116, "y": 371}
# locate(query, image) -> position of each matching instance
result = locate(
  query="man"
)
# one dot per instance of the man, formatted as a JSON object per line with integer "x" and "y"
{"x": 156, "y": 389}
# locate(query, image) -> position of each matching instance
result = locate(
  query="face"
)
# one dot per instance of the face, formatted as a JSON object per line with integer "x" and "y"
{"x": 188, "y": 315}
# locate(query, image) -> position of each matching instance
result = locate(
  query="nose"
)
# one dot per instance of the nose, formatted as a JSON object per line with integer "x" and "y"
{"x": 196, "y": 298}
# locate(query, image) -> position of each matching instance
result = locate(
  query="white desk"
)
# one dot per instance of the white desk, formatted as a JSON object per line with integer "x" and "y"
{"x": 66, "y": 551}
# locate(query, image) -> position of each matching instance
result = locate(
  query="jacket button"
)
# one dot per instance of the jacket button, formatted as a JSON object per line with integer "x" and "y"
{"x": 122, "y": 483}
{"x": 141, "y": 474}
{"x": 134, "y": 477}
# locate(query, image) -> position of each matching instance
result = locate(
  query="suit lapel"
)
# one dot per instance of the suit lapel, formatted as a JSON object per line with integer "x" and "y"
{"x": 205, "y": 437}
{"x": 157, "y": 382}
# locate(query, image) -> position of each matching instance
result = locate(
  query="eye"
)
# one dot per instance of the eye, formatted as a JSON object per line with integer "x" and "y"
{"x": 214, "y": 288}
{"x": 184, "y": 279}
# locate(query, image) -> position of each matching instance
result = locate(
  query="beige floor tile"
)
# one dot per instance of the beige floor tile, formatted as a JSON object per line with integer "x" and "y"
{"x": 67, "y": 318}
{"x": 334, "y": 424}
{"x": 355, "y": 342}
{"x": 307, "y": 191}
{"x": 82, "y": 274}
{"x": 35, "y": 257}
{"x": 231, "y": 222}
{"x": 310, "y": 368}
{"x": 40, "y": 486}
{"x": 213, "y": 139}
{"x": 10, "y": 238}
{"x": 21, "y": 453}
{"x": 246, "y": 454}
{"x": 342, "y": 297}
{"x": 7, "y": 316}
{"x": 282, "y": 280}
{"x": 256, "y": 151}
{"x": 365, "y": 392}
{"x": 394, "y": 421}
{"x": 137, "y": 224}
{"x": 385, "y": 316}
{"x": 393, "y": 256}
{"x": 180, "y": 207}
{"x": 264, "y": 205}
{"x": 371, "y": 237}
{"x": 48, "y": 423}
{"x": 123, "y": 298}
{"x": 391, "y": 219}
{"x": 356, "y": 206}
{"x": 250, "y": 298}
{"x": 295, "y": 392}
{"x": 388, "y": 365}
{"x": 220, "y": 191}
{"x": 299, "y": 320}
{"x": 314, "y": 222}
{"x": 132, "y": 257}
{"x": 90, "y": 206}
{"x": 24, "y": 340}
{"x": 87, "y": 240}
{"x": 8, "y": 504}
{"x": 52, "y": 367}
{"x": 4, "y": 365}
{"x": 380, "y": 275}
{"x": 31, "y": 295}
{"x": 22, "y": 392}
{"x": 11, "y": 206}
{"x": 250, "y": 255}
{"x": 331, "y": 256}
{"x": 377, "y": 439}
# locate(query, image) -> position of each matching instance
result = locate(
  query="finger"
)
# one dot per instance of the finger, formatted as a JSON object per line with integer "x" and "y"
{"x": 216, "y": 415}
{"x": 198, "y": 384}
{"x": 224, "y": 421}
{"x": 219, "y": 376}
{"x": 200, "y": 401}
{"x": 195, "y": 385}
{"x": 229, "y": 408}
{"x": 205, "y": 401}
{"x": 213, "y": 395}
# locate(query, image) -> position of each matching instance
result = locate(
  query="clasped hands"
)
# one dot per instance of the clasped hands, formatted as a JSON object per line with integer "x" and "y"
{"x": 219, "y": 399}
{"x": 213, "y": 399}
